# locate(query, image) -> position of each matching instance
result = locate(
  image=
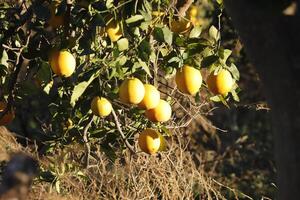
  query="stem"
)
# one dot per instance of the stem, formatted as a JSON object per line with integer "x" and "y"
{"x": 121, "y": 132}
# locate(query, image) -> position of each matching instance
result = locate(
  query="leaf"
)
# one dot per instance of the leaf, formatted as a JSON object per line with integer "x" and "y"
{"x": 122, "y": 44}
{"x": 220, "y": 1}
{"x": 98, "y": 20}
{"x": 57, "y": 186}
{"x": 223, "y": 100}
{"x": 145, "y": 67}
{"x": 80, "y": 88}
{"x": 224, "y": 55}
{"x": 109, "y": 3}
{"x": 144, "y": 50}
{"x": 195, "y": 32}
{"x": 214, "y": 33}
{"x": 209, "y": 60}
{"x": 235, "y": 96}
{"x": 47, "y": 87}
{"x": 134, "y": 18}
{"x": 4, "y": 59}
{"x": 234, "y": 71}
{"x": 215, "y": 98}
{"x": 158, "y": 34}
{"x": 42, "y": 12}
{"x": 168, "y": 35}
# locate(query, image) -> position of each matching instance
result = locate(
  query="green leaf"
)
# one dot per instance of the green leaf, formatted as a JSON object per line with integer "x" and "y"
{"x": 215, "y": 98}
{"x": 158, "y": 34}
{"x": 80, "y": 88}
{"x": 122, "y": 44}
{"x": 220, "y": 1}
{"x": 47, "y": 87}
{"x": 195, "y": 32}
{"x": 223, "y": 100}
{"x": 168, "y": 35}
{"x": 144, "y": 50}
{"x": 234, "y": 71}
{"x": 4, "y": 59}
{"x": 209, "y": 60}
{"x": 134, "y": 18}
{"x": 224, "y": 55}
{"x": 214, "y": 33}
{"x": 235, "y": 96}
{"x": 145, "y": 67}
{"x": 109, "y": 3}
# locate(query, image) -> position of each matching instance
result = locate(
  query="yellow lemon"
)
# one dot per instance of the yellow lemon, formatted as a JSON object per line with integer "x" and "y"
{"x": 132, "y": 91}
{"x": 161, "y": 113}
{"x": 62, "y": 63}
{"x": 220, "y": 83}
{"x": 101, "y": 106}
{"x": 113, "y": 31}
{"x": 188, "y": 80}
{"x": 149, "y": 141}
{"x": 151, "y": 98}
{"x": 192, "y": 11}
{"x": 8, "y": 117}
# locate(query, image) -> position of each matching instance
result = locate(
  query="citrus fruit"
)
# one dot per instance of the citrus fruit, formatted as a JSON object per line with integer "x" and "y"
{"x": 8, "y": 117}
{"x": 192, "y": 11}
{"x": 151, "y": 97}
{"x": 132, "y": 91}
{"x": 101, "y": 106}
{"x": 220, "y": 83}
{"x": 113, "y": 31}
{"x": 161, "y": 113}
{"x": 149, "y": 141}
{"x": 188, "y": 80}
{"x": 62, "y": 63}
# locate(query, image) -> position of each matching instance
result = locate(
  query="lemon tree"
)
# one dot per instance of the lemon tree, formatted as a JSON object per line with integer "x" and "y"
{"x": 105, "y": 72}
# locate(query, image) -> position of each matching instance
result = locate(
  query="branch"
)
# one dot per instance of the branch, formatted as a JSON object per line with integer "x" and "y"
{"x": 86, "y": 141}
{"x": 121, "y": 132}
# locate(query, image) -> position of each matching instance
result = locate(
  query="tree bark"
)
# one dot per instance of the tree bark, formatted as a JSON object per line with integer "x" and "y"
{"x": 272, "y": 43}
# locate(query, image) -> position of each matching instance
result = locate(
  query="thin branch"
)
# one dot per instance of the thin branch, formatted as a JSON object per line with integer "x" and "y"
{"x": 121, "y": 132}
{"x": 86, "y": 141}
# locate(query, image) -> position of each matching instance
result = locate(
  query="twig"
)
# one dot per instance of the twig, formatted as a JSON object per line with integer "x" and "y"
{"x": 86, "y": 141}
{"x": 121, "y": 132}
{"x": 20, "y": 61}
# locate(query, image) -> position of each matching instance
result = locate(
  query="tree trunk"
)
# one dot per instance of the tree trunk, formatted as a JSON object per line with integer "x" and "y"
{"x": 272, "y": 43}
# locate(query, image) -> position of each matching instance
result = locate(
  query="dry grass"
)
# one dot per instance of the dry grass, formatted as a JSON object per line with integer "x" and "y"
{"x": 168, "y": 175}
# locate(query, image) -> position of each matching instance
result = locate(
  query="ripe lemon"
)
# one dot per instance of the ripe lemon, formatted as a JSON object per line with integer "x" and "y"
{"x": 62, "y": 63}
{"x": 161, "y": 113}
{"x": 149, "y": 141}
{"x": 192, "y": 11}
{"x": 113, "y": 31}
{"x": 220, "y": 83}
{"x": 101, "y": 106}
{"x": 151, "y": 98}
{"x": 132, "y": 91}
{"x": 180, "y": 26}
{"x": 188, "y": 80}
{"x": 8, "y": 117}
